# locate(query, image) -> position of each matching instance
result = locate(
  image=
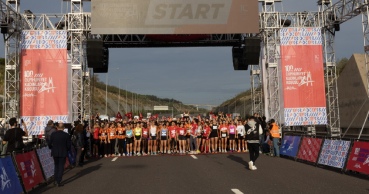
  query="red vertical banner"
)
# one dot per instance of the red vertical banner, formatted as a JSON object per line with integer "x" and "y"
{"x": 303, "y": 77}
{"x": 29, "y": 169}
{"x": 44, "y": 78}
{"x": 309, "y": 149}
{"x": 359, "y": 157}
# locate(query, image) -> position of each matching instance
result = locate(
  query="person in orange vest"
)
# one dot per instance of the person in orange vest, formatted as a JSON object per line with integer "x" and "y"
{"x": 274, "y": 132}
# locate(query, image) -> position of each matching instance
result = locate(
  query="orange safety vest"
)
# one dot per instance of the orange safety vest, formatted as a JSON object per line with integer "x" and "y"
{"x": 275, "y": 131}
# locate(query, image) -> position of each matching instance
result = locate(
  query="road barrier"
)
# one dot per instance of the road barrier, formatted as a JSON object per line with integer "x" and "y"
{"x": 290, "y": 145}
{"x": 22, "y": 172}
{"x": 348, "y": 155}
{"x": 309, "y": 149}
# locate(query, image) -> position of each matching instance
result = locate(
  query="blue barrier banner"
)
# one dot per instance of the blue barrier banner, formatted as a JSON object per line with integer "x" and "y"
{"x": 334, "y": 153}
{"x": 8, "y": 177}
{"x": 290, "y": 145}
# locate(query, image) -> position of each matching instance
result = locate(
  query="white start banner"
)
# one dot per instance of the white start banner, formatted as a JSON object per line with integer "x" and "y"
{"x": 174, "y": 16}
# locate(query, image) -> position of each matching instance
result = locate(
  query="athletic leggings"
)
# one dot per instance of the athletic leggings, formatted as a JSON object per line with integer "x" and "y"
{"x": 254, "y": 151}
{"x": 173, "y": 143}
{"x": 193, "y": 143}
{"x": 112, "y": 146}
{"x": 107, "y": 148}
{"x": 122, "y": 146}
{"x": 102, "y": 148}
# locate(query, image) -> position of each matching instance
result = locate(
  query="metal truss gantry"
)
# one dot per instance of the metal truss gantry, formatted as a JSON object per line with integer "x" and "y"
{"x": 329, "y": 17}
{"x": 265, "y": 77}
{"x": 77, "y": 23}
{"x": 11, "y": 21}
{"x": 78, "y": 27}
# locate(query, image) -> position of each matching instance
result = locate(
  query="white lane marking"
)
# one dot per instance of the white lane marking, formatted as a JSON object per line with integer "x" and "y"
{"x": 236, "y": 191}
{"x": 114, "y": 159}
{"x": 194, "y": 157}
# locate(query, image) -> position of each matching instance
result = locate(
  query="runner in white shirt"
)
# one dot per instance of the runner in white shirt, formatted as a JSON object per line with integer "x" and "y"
{"x": 240, "y": 136}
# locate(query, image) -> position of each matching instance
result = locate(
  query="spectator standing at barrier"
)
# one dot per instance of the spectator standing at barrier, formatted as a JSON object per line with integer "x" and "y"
{"x": 78, "y": 143}
{"x": 59, "y": 144}
{"x": 253, "y": 132}
{"x": 267, "y": 143}
{"x": 274, "y": 131}
{"x": 14, "y": 136}
{"x": 49, "y": 129}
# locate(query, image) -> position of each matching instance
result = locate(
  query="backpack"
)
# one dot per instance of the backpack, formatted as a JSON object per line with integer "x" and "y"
{"x": 48, "y": 133}
{"x": 74, "y": 140}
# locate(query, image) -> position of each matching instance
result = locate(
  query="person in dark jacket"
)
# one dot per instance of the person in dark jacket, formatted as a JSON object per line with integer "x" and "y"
{"x": 79, "y": 143}
{"x": 253, "y": 131}
{"x": 59, "y": 144}
{"x": 49, "y": 129}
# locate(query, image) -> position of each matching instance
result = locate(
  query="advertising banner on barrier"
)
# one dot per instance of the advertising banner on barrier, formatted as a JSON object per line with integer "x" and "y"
{"x": 174, "y": 16}
{"x": 290, "y": 145}
{"x": 8, "y": 175}
{"x": 309, "y": 149}
{"x": 303, "y": 77}
{"x": 334, "y": 153}
{"x": 47, "y": 162}
{"x": 29, "y": 169}
{"x": 44, "y": 78}
{"x": 359, "y": 157}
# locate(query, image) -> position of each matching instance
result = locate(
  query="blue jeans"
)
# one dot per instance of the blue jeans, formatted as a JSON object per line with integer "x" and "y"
{"x": 261, "y": 140}
{"x": 276, "y": 146}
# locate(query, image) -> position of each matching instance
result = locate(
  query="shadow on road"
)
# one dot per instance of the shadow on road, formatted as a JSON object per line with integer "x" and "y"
{"x": 238, "y": 159}
{"x": 83, "y": 172}
{"x": 45, "y": 187}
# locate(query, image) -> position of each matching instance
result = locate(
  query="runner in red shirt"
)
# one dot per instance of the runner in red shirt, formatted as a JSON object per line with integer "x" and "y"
{"x": 205, "y": 138}
{"x": 223, "y": 135}
{"x": 173, "y": 138}
{"x": 193, "y": 142}
{"x": 181, "y": 132}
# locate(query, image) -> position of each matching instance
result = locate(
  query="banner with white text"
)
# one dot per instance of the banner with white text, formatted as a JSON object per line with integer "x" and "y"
{"x": 44, "y": 78}
{"x": 303, "y": 77}
{"x": 174, "y": 16}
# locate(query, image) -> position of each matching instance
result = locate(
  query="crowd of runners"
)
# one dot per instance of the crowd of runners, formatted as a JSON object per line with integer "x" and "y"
{"x": 170, "y": 136}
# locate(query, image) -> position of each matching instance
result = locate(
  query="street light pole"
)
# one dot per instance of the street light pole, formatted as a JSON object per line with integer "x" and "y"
{"x": 126, "y": 100}
{"x": 119, "y": 96}
{"x": 106, "y": 95}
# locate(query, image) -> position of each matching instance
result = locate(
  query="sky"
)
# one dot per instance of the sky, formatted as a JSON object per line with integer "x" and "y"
{"x": 192, "y": 75}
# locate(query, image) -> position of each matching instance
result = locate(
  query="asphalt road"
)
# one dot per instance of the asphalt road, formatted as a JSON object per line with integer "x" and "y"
{"x": 218, "y": 173}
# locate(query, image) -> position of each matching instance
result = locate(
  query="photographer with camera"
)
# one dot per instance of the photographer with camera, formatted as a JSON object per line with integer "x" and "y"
{"x": 14, "y": 136}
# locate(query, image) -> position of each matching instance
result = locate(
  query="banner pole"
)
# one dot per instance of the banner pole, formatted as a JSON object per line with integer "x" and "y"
{"x": 362, "y": 128}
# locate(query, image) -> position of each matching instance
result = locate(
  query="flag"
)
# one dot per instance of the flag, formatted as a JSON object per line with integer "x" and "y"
{"x": 119, "y": 116}
{"x": 128, "y": 115}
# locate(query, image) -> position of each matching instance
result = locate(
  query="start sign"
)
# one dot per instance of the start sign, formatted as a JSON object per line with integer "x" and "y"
{"x": 174, "y": 16}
